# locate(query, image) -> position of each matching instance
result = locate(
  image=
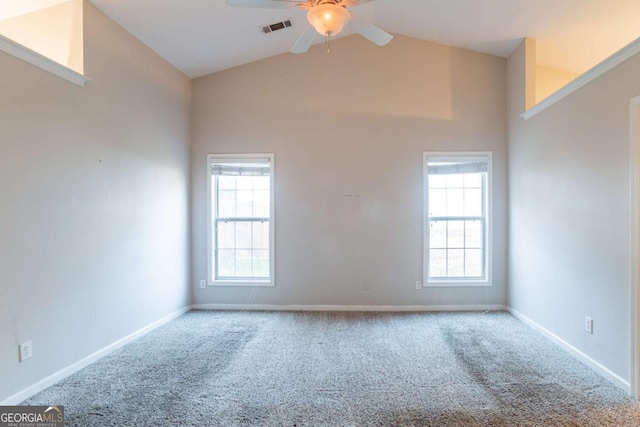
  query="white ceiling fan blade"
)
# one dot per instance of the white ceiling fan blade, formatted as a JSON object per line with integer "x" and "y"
{"x": 305, "y": 40}
{"x": 370, "y": 32}
{"x": 353, "y": 3}
{"x": 270, "y": 4}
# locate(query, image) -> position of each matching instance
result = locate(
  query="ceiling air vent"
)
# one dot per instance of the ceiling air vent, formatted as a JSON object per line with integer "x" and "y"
{"x": 277, "y": 26}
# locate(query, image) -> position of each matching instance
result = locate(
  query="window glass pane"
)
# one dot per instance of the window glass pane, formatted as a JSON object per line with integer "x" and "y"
{"x": 438, "y": 234}
{"x": 455, "y": 234}
{"x": 244, "y": 263}
{"x": 261, "y": 263}
{"x": 472, "y": 180}
{"x": 438, "y": 263}
{"x": 226, "y": 182}
{"x": 455, "y": 263}
{"x": 261, "y": 183}
{"x": 261, "y": 203}
{"x": 226, "y": 235}
{"x": 243, "y": 235}
{"x": 260, "y": 235}
{"x": 455, "y": 181}
{"x": 244, "y": 182}
{"x": 457, "y": 196}
{"x": 473, "y": 263}
{"x": 241, "y": 247}
{"x": 437, "y": 181}
{"x": 455, "y": 202}
{"x": 226, "y": 203}
{"x": 244, "y": 204}
{"x": 473, "y": 234}
{"x": 473, "y": 202}
{"x": 437, "y": 202}
{"x": 226, "y": 263}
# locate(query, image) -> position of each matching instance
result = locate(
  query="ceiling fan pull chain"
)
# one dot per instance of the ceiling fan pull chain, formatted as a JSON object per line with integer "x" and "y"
{"x": 328, "y": 43}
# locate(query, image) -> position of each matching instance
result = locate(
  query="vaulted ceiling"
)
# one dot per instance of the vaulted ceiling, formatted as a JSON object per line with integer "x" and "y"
{"x": 204, "y": 36}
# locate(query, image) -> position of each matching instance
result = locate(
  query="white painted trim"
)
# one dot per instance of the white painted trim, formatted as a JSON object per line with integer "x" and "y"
{"x": 240, "y": 283}
{"x": 34, "y": 58}
{"x": 634, "y": 234}
{"x": 611, "y": 62}
{"x": 72, "y": 369}
{"x": 272, "y": 222}
{"x": 488, "y": 281}
{"x": 582, "y": 357}
{"x": 372, "y": 308}
{"x": 457, "y": 284}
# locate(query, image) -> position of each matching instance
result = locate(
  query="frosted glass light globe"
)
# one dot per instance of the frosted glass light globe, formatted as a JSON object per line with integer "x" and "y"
{"x": 328, "y": 19}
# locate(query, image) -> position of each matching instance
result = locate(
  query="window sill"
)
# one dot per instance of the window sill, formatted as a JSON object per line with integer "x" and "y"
{"x": 242, "y": 283}
{"x": 457, "y": 284}
{"x": 32, "y": 57}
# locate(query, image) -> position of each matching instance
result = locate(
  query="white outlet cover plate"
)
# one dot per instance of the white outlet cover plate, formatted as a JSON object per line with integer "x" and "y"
{"x": 26, "y": 351}
{"x": 588, "y": 325}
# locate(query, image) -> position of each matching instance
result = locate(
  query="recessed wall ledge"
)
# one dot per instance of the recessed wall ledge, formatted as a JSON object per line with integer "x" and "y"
{"x": 32, "y": 57}
{"x": 611, "y": 62}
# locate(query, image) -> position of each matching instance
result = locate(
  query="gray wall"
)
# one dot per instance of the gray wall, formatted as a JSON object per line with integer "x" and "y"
{"x": 94, "y": 238}
{"x": 569, "y": 212}
{"x": 352, "y": 123}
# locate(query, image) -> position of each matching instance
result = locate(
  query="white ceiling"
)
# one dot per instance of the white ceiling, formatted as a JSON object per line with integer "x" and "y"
{"x": 204, "y": 36}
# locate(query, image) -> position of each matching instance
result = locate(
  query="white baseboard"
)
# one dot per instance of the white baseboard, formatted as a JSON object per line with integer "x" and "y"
{"x": 72, "y": 369}
{"x": 600, "y": 369}
{"x": 379, "y": 308}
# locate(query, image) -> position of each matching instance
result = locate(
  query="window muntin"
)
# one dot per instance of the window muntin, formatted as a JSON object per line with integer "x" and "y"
{"x": 456, "y": 218}
{"x": 241, "y": 231}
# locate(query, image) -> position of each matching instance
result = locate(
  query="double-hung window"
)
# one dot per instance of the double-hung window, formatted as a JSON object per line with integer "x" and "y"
{"x": 457, "y": 220}
{"x": 241, "y": 220}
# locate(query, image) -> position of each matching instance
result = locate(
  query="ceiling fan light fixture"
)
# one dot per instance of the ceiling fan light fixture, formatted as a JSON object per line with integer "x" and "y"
{"x": 328, "y": 19}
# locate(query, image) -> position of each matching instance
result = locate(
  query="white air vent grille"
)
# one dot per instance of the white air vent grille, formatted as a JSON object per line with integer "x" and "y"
{"x": 266, "y": 29}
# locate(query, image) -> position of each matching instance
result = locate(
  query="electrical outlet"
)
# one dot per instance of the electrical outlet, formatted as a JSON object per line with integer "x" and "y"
{"x": 418, "y": 284}
{"x": 588, "y": 325}
{"x": 365, "y": 286}
{"x": 26, "y": 350}
{"x": 203, "y": 284}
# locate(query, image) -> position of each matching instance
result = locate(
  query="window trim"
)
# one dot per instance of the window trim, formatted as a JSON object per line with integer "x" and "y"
{"x": 210, "y": 268}
{"x": 457, "y": 282}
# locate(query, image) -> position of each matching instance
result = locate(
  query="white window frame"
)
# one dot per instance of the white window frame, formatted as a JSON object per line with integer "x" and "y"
{"x": 211, "y": 281}
{"x": 458, "y": 282}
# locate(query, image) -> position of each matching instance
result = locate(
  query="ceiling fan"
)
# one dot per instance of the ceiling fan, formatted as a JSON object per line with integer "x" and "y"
{"x": 326, "y": 17}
